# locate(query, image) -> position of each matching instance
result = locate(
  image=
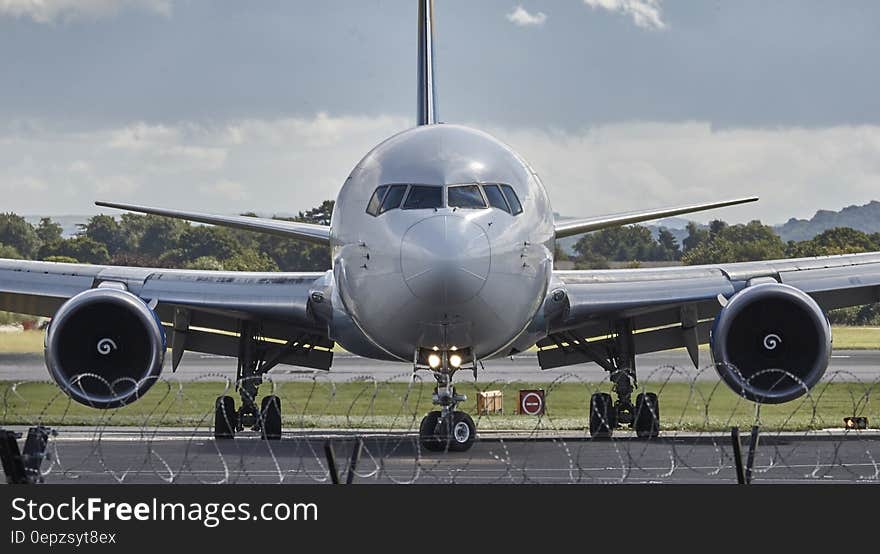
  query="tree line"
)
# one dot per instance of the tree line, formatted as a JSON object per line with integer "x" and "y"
{"x": 718, "y": 242}
{"x": 155, "y": 241}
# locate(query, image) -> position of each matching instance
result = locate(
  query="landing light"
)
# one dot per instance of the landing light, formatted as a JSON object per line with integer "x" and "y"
{"x": 455, "y": 360}
{"x": 434, "y": 361}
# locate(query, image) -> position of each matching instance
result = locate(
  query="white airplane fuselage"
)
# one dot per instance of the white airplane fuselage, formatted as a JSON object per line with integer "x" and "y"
{"x": 441, "y": 277}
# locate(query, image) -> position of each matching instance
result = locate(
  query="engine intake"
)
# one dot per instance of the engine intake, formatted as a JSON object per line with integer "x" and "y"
{"x": 771, "y": 343}
{"x": 105, "y": 348}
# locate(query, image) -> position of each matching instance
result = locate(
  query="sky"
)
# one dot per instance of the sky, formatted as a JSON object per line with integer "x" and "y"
{"x": 266, "y": 106}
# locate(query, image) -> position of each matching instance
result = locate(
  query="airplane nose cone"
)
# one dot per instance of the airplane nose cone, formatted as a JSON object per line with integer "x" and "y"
{"x": 445, "y": 259}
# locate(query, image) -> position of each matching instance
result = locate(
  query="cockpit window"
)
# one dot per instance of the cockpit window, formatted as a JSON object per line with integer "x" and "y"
{"x": 496, "y": 197}
{"x": 473, "y": 196}
{"x": 515, "y": 206}
{"x": 376, "y": 200}
{"x": 421, "y": 197}
{"x": 392, "y": 198}
{"x": 465, "y": 196}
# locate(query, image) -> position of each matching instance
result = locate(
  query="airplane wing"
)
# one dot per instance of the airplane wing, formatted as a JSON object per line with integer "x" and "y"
{"x": 308, "y": 232}
{"x": 201, "y": 311}
{"x": 675, "y": 307}
{"x": 569, "y": 227}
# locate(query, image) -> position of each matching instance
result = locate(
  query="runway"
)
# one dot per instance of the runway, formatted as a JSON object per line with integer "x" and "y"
{"x": 851, "y": 365}
{"x": 119, "y": 455}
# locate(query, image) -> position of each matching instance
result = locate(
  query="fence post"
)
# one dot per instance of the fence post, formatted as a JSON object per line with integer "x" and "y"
{"x": 355, "y": 456}
{"x": 737, "y": 456}
{"x": 753, "y": 446}
{"x": 331, "y": 462}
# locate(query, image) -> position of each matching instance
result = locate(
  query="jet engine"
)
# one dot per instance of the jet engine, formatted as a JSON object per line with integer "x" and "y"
{"x": 771, "y": 343}
{"x": 105, "y": 347}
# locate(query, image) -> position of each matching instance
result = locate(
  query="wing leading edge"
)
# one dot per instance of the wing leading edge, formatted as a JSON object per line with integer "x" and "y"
{"x": 568, "y": 228}
{"x": 318, "y": 234}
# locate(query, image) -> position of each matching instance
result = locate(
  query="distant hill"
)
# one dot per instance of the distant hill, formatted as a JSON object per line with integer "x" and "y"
{"x": 862, "y": 218}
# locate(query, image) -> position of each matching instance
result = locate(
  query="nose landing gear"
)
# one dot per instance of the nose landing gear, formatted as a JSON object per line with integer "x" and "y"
{"x": 447, "y": 429}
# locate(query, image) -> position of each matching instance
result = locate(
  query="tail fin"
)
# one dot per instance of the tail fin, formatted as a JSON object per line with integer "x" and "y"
{"x": 427, "y": 114}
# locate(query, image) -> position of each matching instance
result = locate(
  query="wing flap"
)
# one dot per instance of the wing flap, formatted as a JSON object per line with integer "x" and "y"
{"x": 301, "y": 351}
{"x": 570, "y": 349}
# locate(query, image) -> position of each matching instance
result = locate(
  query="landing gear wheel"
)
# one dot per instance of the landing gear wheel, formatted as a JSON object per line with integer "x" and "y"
{"x": 225, "y": 418}
{"x": 270, "y": 416}
{"x": 463, "y": 432}
{"x": 428, "y": 432}
{"x": 647, "y": 416}
{"x": 603, "y": 418}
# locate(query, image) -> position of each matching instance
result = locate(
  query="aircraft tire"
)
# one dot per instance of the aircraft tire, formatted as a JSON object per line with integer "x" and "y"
{"x": 224, "y": 418}
{"x": 428, "y": 438}
{"x": 646, "y": 421}
{"x": 602, "y": 416}
{"x": 270, "y": 414}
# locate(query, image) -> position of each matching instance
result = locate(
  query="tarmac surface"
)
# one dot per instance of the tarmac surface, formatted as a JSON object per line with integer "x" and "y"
{"x": 126, "y": 455}
{"x": 861, "y": 365}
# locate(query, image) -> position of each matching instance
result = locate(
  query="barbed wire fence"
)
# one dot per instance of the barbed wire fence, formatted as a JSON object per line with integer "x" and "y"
{"x": 365, "y": 430}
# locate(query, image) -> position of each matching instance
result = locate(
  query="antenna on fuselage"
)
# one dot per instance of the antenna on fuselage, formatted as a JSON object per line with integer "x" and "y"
{"x": 427, "y": 114}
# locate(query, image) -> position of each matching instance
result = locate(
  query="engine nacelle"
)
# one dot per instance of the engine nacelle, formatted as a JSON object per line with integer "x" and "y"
{"x": 105, "y": 348}
{"x": 771, "y": 343}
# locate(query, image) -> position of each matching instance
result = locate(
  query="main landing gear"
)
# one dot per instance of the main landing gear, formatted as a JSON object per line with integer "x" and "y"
{"x": 446, "y": 429}
{"x": 227, "y": 421}
{"x": 606, "y": 414}
{"x": 267, "y": 419}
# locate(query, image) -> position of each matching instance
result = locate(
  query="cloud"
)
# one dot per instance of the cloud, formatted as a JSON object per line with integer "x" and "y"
{"x": 628, "y": 166}
{"x": 277, "y": 165}
{"x": 229, "y": 190}
{"x": 523, "y": 18}
{"x": 51, "y": 11}
{"x": 284, "y": 165}
{"x": 644, "y": 13}
{"x": 161, "y": 146}
{"x": 115, "y": 185}
{"x": 24, "y": 184}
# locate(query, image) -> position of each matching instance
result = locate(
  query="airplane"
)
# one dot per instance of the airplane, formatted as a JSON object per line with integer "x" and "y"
{"x": 442, "y": 241}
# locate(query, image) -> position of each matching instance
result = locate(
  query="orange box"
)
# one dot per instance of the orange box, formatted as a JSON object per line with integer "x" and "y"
{"x": 490, "y": 402}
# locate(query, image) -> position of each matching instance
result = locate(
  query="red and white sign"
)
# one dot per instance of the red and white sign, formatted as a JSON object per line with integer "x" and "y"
{"x": 531, "y": 402}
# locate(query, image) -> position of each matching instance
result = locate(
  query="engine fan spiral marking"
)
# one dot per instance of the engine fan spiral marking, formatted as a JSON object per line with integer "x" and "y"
{"x": 772, "y": 341}
{"x": 105, "y": 346}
